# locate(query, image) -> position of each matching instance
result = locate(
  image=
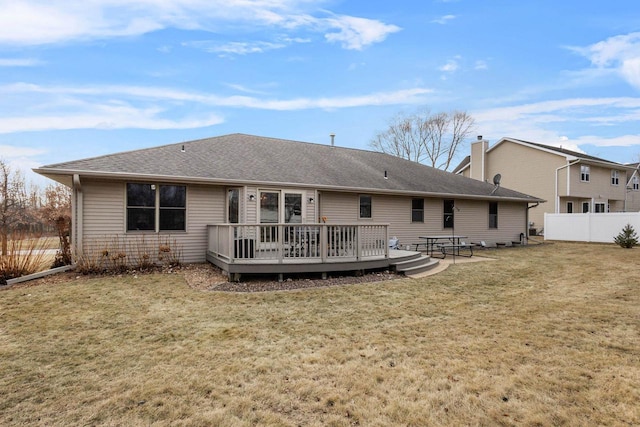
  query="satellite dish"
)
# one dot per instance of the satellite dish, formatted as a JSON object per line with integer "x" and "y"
{"x": 496, "y": 179}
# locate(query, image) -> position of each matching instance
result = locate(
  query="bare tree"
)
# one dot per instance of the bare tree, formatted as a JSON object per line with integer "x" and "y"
{"x": 57, "y": 211}
{"x": 13, "y": 200}
{"x": 427, "y": 138}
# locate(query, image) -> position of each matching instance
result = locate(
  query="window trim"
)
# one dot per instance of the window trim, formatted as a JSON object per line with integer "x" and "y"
{"x": 615, "y": 177}
{"x": 585, "y": 173}
{"x": 601, "y": 205}
{"x": 156, "y": 207}
{"x": 635, "y": 183}
{"x": 360, "y": 206}
{"x": 569, "y": 207}
{"x": 415, "y": 211}
{"x": 587, "y": 205}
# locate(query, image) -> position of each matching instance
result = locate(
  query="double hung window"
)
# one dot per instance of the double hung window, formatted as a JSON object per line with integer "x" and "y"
{"x": 417, "y": 210}
{"x": 493, "y": 214}
{"x": 365, "y": 206}
{"x": 448, "y": 213}
{"x": 615, "y": 177}
{"x": 585, "y": 172}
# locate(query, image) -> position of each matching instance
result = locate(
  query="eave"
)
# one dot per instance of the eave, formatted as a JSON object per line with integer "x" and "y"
{"x": 66, "y": 175}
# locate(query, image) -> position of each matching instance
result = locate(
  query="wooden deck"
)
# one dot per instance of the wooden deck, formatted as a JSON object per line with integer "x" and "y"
{"x": 301, "y": 248}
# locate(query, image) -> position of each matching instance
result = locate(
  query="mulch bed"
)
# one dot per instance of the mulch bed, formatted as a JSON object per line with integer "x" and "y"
{"x": 206, "y": 277}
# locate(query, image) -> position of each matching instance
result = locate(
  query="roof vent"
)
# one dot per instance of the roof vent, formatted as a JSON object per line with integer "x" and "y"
{"x": 479, "y": 137}
{"x": 332, "y": 135}
{"x": 385, "y": 175}
{"x": 182, "y": 149}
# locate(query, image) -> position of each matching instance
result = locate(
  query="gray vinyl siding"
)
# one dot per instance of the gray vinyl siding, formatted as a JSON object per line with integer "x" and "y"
{"x": 341, "y": 207}
{"x": 105, "y": 216}
{"x": 472, "y": 218}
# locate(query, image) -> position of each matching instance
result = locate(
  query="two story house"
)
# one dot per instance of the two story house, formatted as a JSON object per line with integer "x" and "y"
{"x": 572, "y": 182}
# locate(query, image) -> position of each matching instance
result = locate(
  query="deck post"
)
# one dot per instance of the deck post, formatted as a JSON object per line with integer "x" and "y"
{"x": 232, "y": 255}
{"x": 359, "y": 242}
{"x": 386, "y": 241}
{"x": 323, "y": 243}
{"x": 280, "y": 245}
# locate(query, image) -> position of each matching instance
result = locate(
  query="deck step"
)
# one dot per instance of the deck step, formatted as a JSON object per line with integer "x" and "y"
{"x": 416, "y": 266}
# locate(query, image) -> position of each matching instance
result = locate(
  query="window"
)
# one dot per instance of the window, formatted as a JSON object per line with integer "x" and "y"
{"x": 417, "y": 210}
{"x": 635, "y": 183}
{"x": 493, "y": 214}
{"x": 448, "y": 213}
{"x": 615, "y": 177}
{"x": 585, "y": 207}
{"x": 233, "y": 203}
{"x": 569, "y": 207}
{"x": 365, "y": 206}
{"x": 155, "y": 208}
{"x": 585, "y": 171}
{"x": 600, "y": 208}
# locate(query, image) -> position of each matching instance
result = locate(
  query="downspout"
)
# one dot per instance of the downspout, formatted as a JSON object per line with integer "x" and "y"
{"x": 526, "y": 219}
{"x": 77, "y": 215}
{"x": 557, "y": 210}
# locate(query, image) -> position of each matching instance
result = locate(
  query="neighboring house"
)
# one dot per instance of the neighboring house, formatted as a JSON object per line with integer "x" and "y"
{"x": 253, "y": 201}
{"x": 633, "y": 188}
{"x": 572, "y": 182}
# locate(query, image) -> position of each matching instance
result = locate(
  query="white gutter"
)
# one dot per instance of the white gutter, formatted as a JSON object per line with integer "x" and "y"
{"x": 568, "y": 180}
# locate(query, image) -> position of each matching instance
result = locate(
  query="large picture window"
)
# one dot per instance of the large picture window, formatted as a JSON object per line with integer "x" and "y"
{"x": 365, "y": 206}
{"x": 152, "y": 207}
{"x": 417, "y": 210}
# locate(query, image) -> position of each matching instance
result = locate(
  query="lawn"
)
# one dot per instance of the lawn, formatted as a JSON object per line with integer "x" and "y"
{"x": 545, "y": 335}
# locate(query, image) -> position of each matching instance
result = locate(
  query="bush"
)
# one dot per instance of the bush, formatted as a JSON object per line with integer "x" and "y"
{"x": 120, "y": 254}
{"x": 627, "y": 237}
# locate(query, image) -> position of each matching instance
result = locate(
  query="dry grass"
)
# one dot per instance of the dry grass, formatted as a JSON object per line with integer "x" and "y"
{"x": 547, "y": 335}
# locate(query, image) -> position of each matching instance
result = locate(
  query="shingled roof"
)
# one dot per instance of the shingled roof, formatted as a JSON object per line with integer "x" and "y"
{"x": 246, "y": 159}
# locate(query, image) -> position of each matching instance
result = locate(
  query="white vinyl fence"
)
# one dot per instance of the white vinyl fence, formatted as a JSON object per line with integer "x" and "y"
{"x": 588, "y": 227}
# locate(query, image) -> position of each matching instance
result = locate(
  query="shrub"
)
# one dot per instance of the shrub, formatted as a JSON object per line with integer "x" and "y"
{"x": 627, "y": 237}
{"x": 25, "y": 255}
{"x": 119, "y": 254}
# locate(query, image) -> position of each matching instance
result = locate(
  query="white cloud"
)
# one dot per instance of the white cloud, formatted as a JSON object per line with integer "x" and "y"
{"x": 540, "y": 121}
{"x": 235, "y": 48}
{"x": 135, "y": 107}
{"x": 481, "y": 65}
{"x": 444, "y": 19}
{"x": 450, "y": 67}
{"x": 19, "y": 62}
{"x": 619, "y": 53}
{"x": 357, "y": 33}
{"x": 11, "y": 151}
{"x": 36, "y": 22}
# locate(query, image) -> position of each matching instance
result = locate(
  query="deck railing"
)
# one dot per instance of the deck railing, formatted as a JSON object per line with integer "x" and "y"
{"x": 291, "y": 243}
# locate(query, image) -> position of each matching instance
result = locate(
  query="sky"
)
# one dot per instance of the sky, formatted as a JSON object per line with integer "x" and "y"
{"x": 85, "y": 78}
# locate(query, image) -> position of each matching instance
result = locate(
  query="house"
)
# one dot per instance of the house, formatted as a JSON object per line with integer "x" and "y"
{"x": 252, "y": 204}
{"x": 574, "y": 182}
{"x": 633, "y": 189}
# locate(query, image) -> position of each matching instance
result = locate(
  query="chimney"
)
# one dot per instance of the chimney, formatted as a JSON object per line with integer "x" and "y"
{"x": 332, "y": 135}
{"x": 479, "y": 167}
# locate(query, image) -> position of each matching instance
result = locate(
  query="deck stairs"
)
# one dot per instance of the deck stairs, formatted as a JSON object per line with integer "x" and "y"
{"x": 415, "y": 265}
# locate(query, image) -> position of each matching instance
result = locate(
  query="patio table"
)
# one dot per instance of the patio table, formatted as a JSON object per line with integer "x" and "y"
{"x": 452, "y": 239}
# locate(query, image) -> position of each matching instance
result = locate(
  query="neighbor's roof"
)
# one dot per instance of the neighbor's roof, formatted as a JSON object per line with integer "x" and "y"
{"x": 568, "y": 154}
{"x": 245, "y": 159}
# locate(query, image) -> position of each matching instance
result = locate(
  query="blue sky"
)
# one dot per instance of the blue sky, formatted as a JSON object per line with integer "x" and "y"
{"x": 86, "y": 78}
